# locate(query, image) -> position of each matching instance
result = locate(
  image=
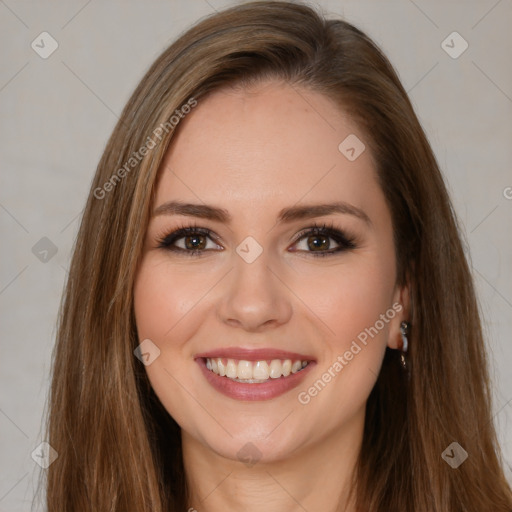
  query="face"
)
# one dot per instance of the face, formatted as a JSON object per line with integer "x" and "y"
{"x": 295, "y": 302}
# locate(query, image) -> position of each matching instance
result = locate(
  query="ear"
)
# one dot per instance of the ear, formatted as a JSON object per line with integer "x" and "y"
{"x": 402, "y": 306}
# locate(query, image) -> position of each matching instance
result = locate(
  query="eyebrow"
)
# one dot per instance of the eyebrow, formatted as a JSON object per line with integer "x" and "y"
{"x": 289, "y": 214}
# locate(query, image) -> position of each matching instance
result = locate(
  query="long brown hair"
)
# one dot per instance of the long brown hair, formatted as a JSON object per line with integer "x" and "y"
{"x": 118, "y": 448}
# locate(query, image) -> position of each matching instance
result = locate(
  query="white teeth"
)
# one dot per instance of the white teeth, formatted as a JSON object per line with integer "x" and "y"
{"x": 244, "y": 370}
{"x": 296, "y": 366}
{"x": 221, "y": 368}
{"x": 260, "y": 370}
{"x": 254, "y": 371}
{"x": 231, "y": 369}
{"x": 276, "y": 368}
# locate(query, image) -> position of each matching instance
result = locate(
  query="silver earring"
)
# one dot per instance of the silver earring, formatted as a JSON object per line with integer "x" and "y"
{"x": 404, "y": 330}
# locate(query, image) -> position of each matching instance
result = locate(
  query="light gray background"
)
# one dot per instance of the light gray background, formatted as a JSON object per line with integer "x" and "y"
{"x": 57, "y": 113}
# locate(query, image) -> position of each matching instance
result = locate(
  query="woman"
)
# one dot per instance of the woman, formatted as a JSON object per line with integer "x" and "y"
{"x": 269, "y": 303}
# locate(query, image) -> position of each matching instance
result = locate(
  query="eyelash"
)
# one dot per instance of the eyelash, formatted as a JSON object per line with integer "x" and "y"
{"x": 344, "y": 241}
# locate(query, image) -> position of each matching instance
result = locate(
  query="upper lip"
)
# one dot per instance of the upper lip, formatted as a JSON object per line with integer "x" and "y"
{"x": 257, "y": 354}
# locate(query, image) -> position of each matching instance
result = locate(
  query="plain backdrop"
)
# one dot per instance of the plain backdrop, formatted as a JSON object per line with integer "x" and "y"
{"x": 57, "y": 113}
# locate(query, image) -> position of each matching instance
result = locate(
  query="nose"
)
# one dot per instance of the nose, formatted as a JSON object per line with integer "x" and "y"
{"x": 255, "y": 297}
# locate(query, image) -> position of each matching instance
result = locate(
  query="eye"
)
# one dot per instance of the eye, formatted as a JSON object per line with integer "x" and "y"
{"x": 191, "y": 240}
{"x": 317, "y": 240}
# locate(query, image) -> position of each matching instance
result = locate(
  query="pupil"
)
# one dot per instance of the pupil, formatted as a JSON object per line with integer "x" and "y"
{"x": 322, "y": 245}
{"x": 194, "y": 244}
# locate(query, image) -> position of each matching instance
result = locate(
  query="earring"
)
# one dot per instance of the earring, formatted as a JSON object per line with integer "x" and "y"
{"x": 404, "y": 330}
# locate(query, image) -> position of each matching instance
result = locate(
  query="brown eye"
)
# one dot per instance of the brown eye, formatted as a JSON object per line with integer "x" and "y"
{"x": 318, "y": 241}
{"x": 195, "y": 242}
{"x": 189, "y": 241}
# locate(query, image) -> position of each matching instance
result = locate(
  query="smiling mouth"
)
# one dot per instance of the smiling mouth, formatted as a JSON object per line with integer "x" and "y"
{"x": 254, "y": 372}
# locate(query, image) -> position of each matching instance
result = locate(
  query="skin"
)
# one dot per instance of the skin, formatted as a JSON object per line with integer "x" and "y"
{"x": 254, "y": 152}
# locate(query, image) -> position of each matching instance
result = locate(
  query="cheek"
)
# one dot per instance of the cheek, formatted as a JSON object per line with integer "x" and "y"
{"x": 348, "y": 298}
{"x": 354, "y": 302}
{"x": 165, "y": 303}
{"x": 162, "y": 299}
{"x": 367, "y": 297}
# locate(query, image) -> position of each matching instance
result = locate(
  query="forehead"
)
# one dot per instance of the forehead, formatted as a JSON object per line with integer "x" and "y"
{"x": 265, "y": 148}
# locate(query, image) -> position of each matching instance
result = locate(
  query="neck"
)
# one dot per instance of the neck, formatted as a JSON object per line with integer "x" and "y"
{"x": 314, "y": 477}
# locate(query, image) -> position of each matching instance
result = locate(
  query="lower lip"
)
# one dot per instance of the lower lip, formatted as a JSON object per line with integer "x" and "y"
{"x": 257, "y": 391}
